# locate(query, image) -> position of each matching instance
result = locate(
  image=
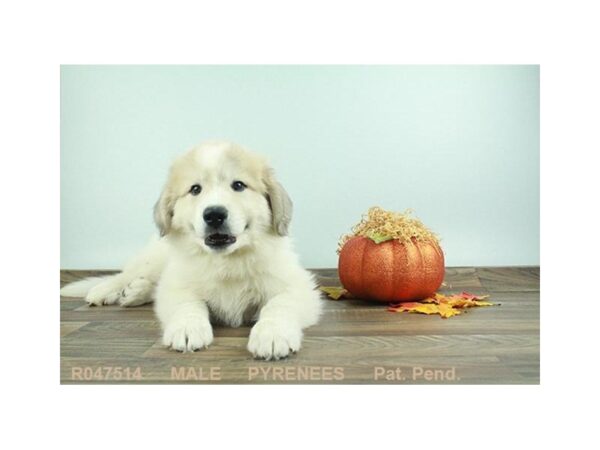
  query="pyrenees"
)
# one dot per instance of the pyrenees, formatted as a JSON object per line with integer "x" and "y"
{"x": 223, "y": 256}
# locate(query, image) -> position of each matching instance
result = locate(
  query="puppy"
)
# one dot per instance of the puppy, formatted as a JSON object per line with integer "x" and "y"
{"x": 223, "y": 255}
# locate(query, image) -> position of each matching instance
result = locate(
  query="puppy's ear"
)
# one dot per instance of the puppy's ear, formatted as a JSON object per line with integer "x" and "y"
{"x": 163, "y": 211}
{"x": 280, "y": 203}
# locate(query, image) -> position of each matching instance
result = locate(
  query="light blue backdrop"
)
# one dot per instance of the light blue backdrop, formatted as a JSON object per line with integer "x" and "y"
{"x": 457, "y": 144}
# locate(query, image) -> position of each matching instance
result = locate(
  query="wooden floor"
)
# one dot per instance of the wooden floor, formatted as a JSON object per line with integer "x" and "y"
{"x": 355, "y": 341}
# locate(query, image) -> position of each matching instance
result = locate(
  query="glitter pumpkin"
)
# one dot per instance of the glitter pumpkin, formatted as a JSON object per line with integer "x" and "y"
{"x": 391, "y": 258}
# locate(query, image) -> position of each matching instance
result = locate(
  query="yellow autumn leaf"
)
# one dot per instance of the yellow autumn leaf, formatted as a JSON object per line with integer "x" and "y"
{"x": 458, "y": 302}
{"x": 478, "y": 303}
{"x": 334, "y": 292}
{"x": 423, "y": 308}
{"x": 446, "y": 310}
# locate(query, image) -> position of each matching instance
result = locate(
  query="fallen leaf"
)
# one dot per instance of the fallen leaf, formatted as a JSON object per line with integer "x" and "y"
{"x": 476, "y": 303}
{"x": 458, "y": 302}
{"x": 444, "y": 305}
{"x": 446, "y": 310}
{"x": 468, "y": 296}
{"x": 423, "y": 308}
{"x": 335, "y": 293}
{"x": 437, "y": 297}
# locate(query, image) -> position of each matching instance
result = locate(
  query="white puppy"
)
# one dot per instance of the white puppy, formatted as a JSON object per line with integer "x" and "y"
{"x": 223, "y": 255}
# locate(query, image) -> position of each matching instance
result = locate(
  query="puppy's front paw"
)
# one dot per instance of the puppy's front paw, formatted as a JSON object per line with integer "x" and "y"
{"x": 105, "y": 293}
{"x": 273, "y": 339}
{"x": 188, "y": 334}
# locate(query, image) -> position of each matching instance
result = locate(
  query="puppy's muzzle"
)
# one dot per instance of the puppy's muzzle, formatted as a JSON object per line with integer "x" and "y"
{"x": 218, "y": 236}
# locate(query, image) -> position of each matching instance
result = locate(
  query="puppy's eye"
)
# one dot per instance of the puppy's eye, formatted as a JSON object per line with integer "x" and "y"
{"x": 195, "y": 189}
{"x": 238, "y": 186}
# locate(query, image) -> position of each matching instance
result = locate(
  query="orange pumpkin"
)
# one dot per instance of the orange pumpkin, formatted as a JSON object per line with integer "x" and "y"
{"x": 391, "y": 270}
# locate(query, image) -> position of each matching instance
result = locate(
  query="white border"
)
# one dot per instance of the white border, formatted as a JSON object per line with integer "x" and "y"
{"x": 38, "y": 36}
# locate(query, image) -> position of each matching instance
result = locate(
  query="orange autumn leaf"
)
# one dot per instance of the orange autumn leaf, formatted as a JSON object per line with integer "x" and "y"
{"x": 468, "y": 296}
{"x": 444, "y": 305}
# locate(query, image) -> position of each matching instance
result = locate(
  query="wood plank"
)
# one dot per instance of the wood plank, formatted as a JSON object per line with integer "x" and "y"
{"x": 68, "y": 276}
{"x": 68, "y": 327}
{"x": 501, "y": 279}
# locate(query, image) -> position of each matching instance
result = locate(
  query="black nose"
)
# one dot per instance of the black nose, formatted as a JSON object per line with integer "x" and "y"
{"x": 214, "y": 216}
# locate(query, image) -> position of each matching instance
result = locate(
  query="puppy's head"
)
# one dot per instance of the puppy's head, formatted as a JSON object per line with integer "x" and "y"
{"x": 223, "y": 197}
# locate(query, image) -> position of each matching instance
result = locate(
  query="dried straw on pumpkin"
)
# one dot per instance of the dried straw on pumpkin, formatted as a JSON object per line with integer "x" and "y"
{"x": 381, "y": 225}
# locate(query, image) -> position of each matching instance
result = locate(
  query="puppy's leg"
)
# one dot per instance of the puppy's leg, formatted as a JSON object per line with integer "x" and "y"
{"x": 184, "y": 319}
{"x": 135, "y": 284}
{"x": 128, "y": 289}
{"x": 279, "y": 328}
{"x": 137, "y": 292}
